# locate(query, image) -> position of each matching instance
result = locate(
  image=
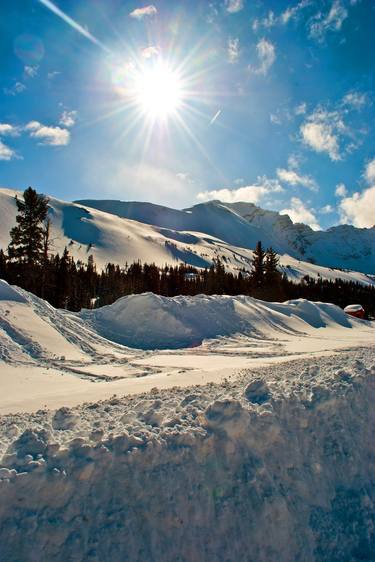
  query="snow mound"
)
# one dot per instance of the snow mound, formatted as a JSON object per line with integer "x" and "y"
{"x": 149, "y": 321}
{"x": 9, "y": 293}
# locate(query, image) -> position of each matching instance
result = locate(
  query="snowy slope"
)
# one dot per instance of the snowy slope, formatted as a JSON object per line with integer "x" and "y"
{"x": 242, "y": 224}
{"x": 110, "y": 238}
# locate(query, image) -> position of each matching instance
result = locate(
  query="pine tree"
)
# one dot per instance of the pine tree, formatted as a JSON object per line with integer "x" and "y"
{"x": 257, "y": 275}
{"x": 272, "y": 276}
{"x": 28, "y": 238}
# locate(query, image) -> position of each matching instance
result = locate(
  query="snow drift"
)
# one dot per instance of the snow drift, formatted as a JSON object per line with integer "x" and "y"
{"x": 276, "y": 466}
{"x": 149, "y": 321}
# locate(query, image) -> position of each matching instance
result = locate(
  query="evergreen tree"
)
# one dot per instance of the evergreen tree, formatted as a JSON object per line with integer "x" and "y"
{"x": 257, "y": 275}
{"x": 272, "y": 276}
{"x": 28, "y": 238}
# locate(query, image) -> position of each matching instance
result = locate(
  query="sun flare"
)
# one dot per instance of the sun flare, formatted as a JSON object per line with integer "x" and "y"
{"x": 158, "y": 91}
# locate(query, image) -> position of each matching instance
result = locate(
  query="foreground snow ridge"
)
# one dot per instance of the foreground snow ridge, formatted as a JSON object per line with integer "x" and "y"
{"x": 277, "y": 465}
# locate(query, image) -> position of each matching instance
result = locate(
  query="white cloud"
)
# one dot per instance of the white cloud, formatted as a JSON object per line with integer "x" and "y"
{"x": 233, "y": 50}
{"x": 341, "y": 190}
{"x": 249, "y": 193}
{"x": 266, "y": 56}
{"x": 370, "y": 171}
{"x": 234, "y": 6}
{"x": 359, "y": 208}
{"x": 52, "y": 136}
{"x": 292, "y": 11}
{"x": 6, "y": 153}
{"x": 294, "y": 178}
{"x": 267, "y": 22}
{"x": 331, "y": 130}
{"x": 10, "y": 130}
{"x": 17, "y": 88}
{"x": 331, "y": 21}
{"x": 31, "y": 71}
{"x": 327, "y": 209}
{"x": 354, "y": 100}
{"x": 321, "y": 138}
{"x": 140, "y": 13}
{"x": 301, "y": 214}
{"x": 150, "y": 52}
{"x": 185, "y": 177}
{"x": 68, "y": 118}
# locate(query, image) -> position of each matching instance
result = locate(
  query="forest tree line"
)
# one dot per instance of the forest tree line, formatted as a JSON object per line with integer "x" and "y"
{"x": 71, "y": 284}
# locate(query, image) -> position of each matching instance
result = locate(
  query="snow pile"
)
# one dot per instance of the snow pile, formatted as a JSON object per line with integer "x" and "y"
{"x": 31, "y": 330}
{"x": 273, "y": 466}
{"x": 149, "y": 321}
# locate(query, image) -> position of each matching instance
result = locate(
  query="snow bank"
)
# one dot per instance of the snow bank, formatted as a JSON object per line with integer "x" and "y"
{"x": 276, "y": 466}
{"x": 150, "y": 321}
{"x": 9, "y": 293}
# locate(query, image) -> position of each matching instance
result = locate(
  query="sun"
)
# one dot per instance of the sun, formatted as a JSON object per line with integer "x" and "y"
{"x": 158, "y": 90}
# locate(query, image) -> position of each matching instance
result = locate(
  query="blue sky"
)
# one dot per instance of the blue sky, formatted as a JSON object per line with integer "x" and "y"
{"x": 276, "y": 103}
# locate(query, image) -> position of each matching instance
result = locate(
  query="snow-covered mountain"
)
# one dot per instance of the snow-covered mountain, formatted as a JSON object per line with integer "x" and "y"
{"x": 122, "y": 232}
{"x": 243, "y": 224}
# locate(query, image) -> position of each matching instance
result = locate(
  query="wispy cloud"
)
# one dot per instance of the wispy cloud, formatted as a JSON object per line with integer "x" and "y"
{"x": 51, "y": 136}
{"x": 266, "y": 56}
{"x": 68, "y": 118}
{"x": 292, "y": 12}
{"x": 341, "y": 190}
{"x": 146, "y": 11}
{"x": 322, "y": 23}
{"x": 216, "y": 116}
{"x": 75, "y": 25}
{"x": 292, "y": 177}
{"x": 234, "y": 6}
{"x": 14, "y": 90}
{"x": 299, "y": 213}
{"x": 354, "y": 100}
{"x": 249, "y": 193}
{"x": 233, "y": 50}
{"x": 31, "y": 71}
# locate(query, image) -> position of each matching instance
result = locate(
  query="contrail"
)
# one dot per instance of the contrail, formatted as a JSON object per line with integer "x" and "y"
{"x": 215, "y": 117}
{"x": 51, "y": 6}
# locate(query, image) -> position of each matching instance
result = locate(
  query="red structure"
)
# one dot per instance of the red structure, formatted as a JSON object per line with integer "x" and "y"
{"x": 355, "y": 310}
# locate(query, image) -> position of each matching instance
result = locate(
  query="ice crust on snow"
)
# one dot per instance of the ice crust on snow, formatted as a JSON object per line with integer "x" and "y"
{"x": 273, "y": 465}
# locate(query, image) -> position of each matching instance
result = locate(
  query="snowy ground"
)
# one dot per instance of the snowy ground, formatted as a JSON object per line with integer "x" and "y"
{"x": 51, "y": 358}
{"x": 253, "y": 442}
{"x": 275, "y": 464}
